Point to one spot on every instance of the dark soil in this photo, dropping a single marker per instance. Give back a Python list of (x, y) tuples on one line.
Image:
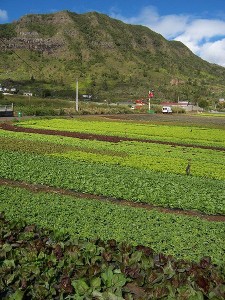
[(37, 188)]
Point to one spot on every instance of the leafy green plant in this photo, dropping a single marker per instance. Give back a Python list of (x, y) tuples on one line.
[(182, 236), (114, 170), (34, 264), (152, 156), (133, 184)]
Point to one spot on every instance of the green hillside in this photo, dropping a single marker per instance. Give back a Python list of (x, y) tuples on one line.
[(111, 59)]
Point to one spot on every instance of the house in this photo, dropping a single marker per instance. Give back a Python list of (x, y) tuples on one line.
[(87, 96), (186, 105), (13, 90), (138, 104), (28, 94), (8, 91)]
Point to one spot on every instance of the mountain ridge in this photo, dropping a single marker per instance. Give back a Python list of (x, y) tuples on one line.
[(111, 59)]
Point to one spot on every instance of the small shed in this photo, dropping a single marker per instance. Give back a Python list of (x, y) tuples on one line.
[(6, 110)]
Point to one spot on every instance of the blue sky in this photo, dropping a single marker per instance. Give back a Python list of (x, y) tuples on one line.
[(199, 24)]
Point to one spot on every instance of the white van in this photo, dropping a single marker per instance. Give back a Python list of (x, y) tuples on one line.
[(166, 110)]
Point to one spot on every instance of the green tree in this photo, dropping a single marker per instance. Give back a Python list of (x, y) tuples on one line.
[(203, 103), (32, 79), (104, 85), (46, 93)]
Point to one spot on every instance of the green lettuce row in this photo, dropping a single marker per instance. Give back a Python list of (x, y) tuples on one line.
[(185, 134), (163, 158), (168, 190), (184, 237)]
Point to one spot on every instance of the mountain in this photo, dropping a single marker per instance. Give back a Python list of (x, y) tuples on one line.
[(111, 59)]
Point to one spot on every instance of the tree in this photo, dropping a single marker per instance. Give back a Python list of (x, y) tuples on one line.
[(104, 85), (203, 103), (32, 79), (46, 93)]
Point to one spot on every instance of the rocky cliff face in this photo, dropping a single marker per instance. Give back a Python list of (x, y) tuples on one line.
[(43, 45), (38, 33)]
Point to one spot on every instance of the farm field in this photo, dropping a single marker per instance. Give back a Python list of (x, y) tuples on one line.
[(194, 135), (216, 120), (133, 170), (166, 233)]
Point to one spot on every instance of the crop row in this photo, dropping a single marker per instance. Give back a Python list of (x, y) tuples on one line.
[(181, 236), (163, 158), (184, 134), (36, 265), (134, 184)]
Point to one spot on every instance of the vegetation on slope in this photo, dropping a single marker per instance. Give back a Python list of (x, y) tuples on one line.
[(112, 60)]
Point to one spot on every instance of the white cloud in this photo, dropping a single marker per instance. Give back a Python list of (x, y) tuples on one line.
[(205, 37), (201, 32), (3, 15), (169, 26), (214, 52)]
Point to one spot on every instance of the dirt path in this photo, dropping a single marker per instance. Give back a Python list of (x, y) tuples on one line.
[(37, 188), (92, 136), (216, 121)]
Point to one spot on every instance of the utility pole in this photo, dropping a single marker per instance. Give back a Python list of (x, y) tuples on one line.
[(150, 95), (29, 96), (77, 95)]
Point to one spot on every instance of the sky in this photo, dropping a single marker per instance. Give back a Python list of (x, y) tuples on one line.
[(199, 24)]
